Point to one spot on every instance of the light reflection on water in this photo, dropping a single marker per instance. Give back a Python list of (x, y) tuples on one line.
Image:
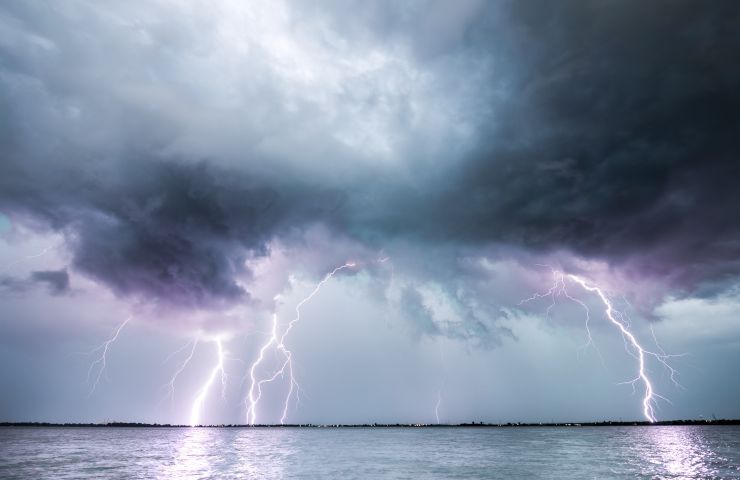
[(606, 452), (681, 452)]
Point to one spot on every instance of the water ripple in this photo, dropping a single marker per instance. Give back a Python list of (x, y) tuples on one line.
[(665, 452)]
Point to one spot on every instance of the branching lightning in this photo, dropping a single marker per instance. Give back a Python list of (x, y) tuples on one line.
[(619, 320), (649, 397), (171, 384), (203, 392), (97, 368), (286, 368), (102, 359), (252, 398)]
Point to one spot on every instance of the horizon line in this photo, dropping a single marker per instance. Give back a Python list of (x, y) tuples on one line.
[(604, 423)]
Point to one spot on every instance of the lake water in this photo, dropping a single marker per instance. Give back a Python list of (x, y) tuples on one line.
[(684, 452)]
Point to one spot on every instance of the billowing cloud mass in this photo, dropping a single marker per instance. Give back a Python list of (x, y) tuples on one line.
[(175, 145), (55, 281)]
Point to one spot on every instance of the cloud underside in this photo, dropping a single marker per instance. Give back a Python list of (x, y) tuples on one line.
[(170, 146)]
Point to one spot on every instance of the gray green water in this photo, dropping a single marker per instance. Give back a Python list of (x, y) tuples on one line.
[(685, 452)]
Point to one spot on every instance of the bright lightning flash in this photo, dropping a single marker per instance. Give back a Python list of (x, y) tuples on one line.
[(102, 359), (201, 398), (618, 320), (255, 388)]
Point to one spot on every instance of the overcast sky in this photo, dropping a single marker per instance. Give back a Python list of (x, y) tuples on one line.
[(197, 167)]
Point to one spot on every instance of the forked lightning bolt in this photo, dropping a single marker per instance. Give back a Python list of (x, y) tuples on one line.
[(203, 392), (102, 359), (618, 320), (171, 385), (252, 397), (648, 398), (255, 388)]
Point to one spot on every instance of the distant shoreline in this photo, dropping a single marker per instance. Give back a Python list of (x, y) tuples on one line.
[(719, 422)]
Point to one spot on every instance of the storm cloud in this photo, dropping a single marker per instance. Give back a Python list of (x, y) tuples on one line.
[(57, 281), (171, 144)]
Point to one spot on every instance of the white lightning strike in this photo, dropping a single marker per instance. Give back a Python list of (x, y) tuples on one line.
[(200, 399), (437, 405), (253, 399), (255, 388), (102, 359), (559, 289), (617, 319), (441, 383), (32, 256), (171, 384)]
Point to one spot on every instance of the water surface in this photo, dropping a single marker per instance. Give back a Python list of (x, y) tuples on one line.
[(675, 452)]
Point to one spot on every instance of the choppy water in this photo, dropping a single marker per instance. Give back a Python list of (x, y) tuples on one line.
[(562, 453)]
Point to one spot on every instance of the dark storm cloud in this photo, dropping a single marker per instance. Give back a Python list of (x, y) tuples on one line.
[(607, 129), (617, 140), (57, 281), (172, 231)]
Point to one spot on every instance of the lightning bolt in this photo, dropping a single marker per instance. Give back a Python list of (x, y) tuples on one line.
[(559, 289), (171, 384), (649, 397), (102, 359), (32, 256), (200, 399), (252, 398), (437, 405), (255, 388), (441, 383), (621, 322)]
